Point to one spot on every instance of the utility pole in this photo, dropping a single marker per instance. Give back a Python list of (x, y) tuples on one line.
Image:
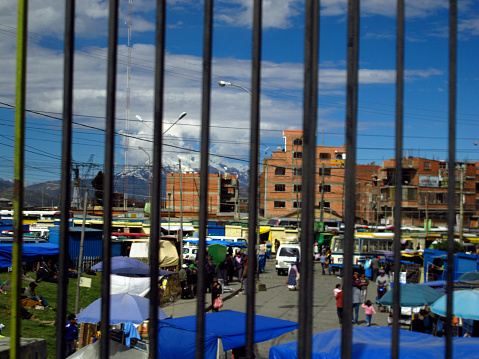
[(80, 256), (427, 214), (461, 205), (169, 208), (180, 232)]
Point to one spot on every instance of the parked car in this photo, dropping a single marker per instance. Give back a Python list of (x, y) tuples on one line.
[(287, 253), (189, 254)]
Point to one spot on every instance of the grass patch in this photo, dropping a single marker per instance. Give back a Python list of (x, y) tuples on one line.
[(30, 329)]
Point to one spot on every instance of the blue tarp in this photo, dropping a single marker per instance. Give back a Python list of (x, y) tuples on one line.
[(178, 335), (31, 252), (375, 342)]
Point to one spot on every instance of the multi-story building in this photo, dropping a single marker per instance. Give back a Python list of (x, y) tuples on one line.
[(183, 194), (425, 190), (281, 181)]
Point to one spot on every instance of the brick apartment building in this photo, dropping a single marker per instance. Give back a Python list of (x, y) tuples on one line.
[(222, 194), (425, 191), (282, 177), (425, 187)]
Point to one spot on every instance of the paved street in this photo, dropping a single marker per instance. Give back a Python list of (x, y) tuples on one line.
[(280, 303)]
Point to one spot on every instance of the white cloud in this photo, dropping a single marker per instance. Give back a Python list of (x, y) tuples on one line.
[(276, 13), (469, 26)]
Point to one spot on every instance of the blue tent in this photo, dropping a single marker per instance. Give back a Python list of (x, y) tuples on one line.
[(124, 308), (178, 335), (31, 252), (375, 342)]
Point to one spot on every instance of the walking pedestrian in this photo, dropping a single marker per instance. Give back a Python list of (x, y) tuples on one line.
[(364, 287), (375, 264), (369, 310), (323, 259), (367, 268), (215, 293), (356, 297), (293, 277), (339, 302)]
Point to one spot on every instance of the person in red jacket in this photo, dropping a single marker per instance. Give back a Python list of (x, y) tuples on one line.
[(338, 294)]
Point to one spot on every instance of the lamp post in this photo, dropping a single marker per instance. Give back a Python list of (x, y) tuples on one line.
[(139, 118), (229, 83), (149, 173)]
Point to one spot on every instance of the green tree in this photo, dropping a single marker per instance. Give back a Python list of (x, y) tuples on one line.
[(442, 246)]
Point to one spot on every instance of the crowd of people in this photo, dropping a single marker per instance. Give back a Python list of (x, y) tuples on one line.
[(216, 275)]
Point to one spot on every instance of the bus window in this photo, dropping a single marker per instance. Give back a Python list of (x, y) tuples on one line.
[(365, 248), (356, 245), (338, 244)]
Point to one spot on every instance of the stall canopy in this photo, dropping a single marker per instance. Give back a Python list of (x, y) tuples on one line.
[(218, 241), (179, 334), (375, 342), (31, 252)]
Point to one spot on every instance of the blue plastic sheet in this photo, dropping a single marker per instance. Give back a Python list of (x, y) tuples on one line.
[(375, 342)]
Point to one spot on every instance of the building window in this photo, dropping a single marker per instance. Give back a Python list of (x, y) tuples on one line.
[(279, 187), (427, 165), (326, 188), (326, 204), (297, 204), (325, 156), (297, 188), (280, 171), (327, 171), (297, 154), (297, 171), (279, 204), (443, 165), (298, 142)]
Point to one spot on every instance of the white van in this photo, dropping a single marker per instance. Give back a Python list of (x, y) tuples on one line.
[(287, 253)]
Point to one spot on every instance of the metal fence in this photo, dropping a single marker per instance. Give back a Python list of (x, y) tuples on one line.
[(311, 51)]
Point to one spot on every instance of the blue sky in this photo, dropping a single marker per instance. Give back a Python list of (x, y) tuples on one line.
[(426, 86)]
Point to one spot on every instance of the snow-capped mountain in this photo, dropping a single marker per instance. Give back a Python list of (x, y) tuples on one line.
[(136, 178)]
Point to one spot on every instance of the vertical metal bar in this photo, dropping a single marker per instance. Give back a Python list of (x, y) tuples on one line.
[(18, 175), (155, 219), (452, 172), (253, 222), (398, 178), (205, 141), (66, 175), (310, 111), (350, 172), (108, 177)]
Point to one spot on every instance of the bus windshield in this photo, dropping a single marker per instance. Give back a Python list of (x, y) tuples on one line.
[(338, 245)]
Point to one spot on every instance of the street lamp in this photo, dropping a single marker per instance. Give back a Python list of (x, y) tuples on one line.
[(183, 114), (139, 118), (229, 83), (149, 173)]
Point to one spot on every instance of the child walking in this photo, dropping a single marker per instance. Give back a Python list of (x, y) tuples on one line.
[(369, 309)]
